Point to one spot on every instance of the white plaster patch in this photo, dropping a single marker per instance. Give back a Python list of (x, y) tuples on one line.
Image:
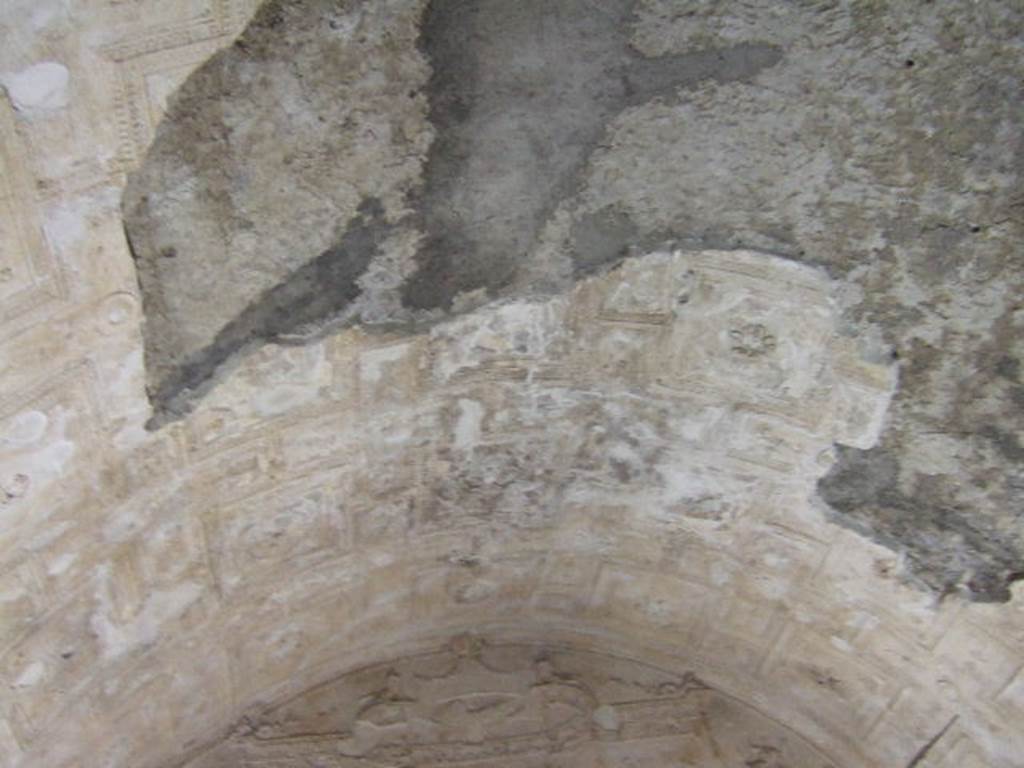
[(35, 16), (381, 559), (686, 483), (720, 575), (26, 429), (159, 608), (45, 15), (62, 563), (607, 718), (65, 226), (520, 329), (841, 645), (284, 642), (31, 676), (700, 427), (373, 362), (861, 414), (34, 450), (39, 90), (282, 399), (128, 399), (467, 428)]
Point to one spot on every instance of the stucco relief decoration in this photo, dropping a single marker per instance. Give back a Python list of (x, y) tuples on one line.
[(393, 383)]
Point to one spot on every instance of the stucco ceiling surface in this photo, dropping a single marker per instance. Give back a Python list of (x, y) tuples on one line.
[(574, 526)]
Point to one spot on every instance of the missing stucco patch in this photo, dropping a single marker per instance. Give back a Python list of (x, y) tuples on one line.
[(310, 295), (514, 145), (261, 173), (946, 547)]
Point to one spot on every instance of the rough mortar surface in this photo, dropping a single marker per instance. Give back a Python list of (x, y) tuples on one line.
[(269, 147), (394, 164)]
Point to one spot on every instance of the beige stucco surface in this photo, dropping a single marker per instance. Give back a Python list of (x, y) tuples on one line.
[(626, 469)]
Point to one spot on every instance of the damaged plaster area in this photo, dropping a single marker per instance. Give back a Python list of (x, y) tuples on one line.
[(265, 166), (396, 163)]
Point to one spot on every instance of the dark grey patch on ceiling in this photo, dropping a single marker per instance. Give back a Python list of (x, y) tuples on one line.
[(318, 290), (520, 96), (946, 547)]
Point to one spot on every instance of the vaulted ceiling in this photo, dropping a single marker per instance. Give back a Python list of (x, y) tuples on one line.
[(509, 385)]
